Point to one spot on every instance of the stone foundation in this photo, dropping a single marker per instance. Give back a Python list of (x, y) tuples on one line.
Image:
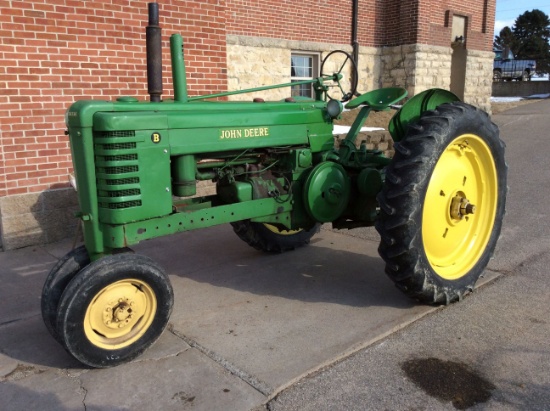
[(420, 67), (416, 67), (255, 62), (38, 218), (479, 79)]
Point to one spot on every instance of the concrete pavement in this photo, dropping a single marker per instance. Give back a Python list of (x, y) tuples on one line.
[(490, 352), (244, 326), (249, 328)]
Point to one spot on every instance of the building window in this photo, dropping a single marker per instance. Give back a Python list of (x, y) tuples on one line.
[(303, 67)]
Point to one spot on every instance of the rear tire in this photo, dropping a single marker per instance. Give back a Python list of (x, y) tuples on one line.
[(443, 203), (272, 238)]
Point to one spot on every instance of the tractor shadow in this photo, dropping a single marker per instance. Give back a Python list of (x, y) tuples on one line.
[(334, 268), (213, 272)]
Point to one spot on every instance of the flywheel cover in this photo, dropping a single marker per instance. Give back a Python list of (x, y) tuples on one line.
[(326, 192)]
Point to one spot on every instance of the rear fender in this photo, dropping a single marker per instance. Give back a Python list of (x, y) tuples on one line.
[(413, 109)]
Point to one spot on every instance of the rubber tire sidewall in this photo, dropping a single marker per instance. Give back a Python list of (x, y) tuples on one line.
[(88, 283), (56, 282), (414, 273)]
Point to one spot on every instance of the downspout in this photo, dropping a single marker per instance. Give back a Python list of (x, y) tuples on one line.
[(354, 42), (354, 23)]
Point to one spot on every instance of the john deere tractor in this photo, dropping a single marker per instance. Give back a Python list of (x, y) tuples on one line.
[(437, 204)]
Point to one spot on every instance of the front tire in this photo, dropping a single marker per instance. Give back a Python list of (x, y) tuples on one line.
[(443, 203), (272, 238), (114, 309), (56, 282)]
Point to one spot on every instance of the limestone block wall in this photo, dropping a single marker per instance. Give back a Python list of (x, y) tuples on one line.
[(256, 61), (38, 218), (433, 67), (416, 67), (369, 69), (479, 79), (419, 67)]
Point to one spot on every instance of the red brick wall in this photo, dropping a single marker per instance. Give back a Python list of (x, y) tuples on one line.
[(429, 22), (480, 18), (328, 21), (401, 22), (307, 20), (54, 52), (381, 22)]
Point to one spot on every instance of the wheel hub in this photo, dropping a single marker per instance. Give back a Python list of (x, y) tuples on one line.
[(461, 207), (118, 313)]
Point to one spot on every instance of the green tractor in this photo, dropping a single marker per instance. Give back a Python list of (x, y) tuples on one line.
[(437, 204)]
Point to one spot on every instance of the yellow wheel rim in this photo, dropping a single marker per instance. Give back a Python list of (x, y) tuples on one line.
[(460, 207), (120, 314), (280, 231)]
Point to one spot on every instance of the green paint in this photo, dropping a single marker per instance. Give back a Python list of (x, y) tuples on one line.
[(137, 163)]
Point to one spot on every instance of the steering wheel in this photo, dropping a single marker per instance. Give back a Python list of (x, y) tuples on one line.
[(333, 62)]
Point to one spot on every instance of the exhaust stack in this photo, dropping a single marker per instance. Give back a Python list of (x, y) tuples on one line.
[(153, 40)]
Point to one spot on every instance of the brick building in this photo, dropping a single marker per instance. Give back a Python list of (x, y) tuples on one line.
[(57, 51)]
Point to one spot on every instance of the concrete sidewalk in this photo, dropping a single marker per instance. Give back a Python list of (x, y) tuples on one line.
[(245, 324)]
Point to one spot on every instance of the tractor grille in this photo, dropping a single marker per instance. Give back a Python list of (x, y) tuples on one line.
[(124, 157), (122, 205), (119, 146), (114, 134), (120, 181), (120, 193), (117, 169)]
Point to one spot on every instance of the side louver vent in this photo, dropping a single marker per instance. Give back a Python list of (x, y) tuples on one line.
[(117, 169)]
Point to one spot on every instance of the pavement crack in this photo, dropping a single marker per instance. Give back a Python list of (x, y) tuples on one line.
[(51, 255), (20, 372), (85, 393), (18, 319), (160, 358), (254, 382)]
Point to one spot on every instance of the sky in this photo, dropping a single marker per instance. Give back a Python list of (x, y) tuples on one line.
[(509, 10)]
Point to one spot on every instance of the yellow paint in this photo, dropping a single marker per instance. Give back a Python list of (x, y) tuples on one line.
[(454, 245), (120, 314), (232, 133)]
